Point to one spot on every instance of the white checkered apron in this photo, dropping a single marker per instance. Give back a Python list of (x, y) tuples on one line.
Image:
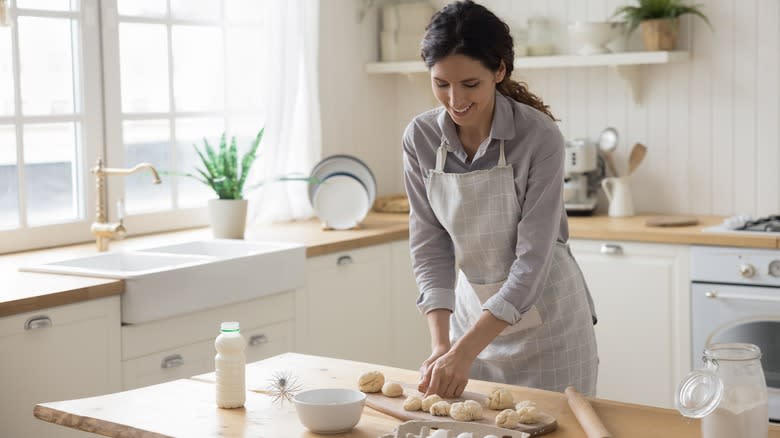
[(554, 344)]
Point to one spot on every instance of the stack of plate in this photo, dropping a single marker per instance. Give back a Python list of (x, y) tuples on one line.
[(345, 192)]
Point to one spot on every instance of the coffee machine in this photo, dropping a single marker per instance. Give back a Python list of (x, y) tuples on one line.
[(581, 169)]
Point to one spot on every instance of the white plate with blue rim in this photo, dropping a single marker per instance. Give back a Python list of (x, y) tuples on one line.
[(344, 163), (341, 201)]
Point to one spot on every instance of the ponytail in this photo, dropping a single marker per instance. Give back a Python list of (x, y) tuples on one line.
[(519, 92)]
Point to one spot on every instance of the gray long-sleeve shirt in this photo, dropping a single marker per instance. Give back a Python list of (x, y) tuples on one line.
[(535, 149)]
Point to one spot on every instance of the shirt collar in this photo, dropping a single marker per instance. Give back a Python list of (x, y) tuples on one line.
[(503, 127)]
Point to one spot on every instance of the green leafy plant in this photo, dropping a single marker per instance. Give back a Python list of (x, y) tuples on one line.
[(222, 170), (654, 9), (225, 174)]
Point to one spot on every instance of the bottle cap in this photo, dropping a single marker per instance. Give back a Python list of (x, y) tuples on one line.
[(231, 326)]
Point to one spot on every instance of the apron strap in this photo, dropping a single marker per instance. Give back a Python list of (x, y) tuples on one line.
[(501, 156), (441, 157)]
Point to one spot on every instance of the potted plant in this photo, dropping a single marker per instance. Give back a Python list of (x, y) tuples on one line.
[(226, 175), (659, 20)]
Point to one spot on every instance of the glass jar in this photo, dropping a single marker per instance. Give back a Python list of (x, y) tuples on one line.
[(539, 37), (729, 394)]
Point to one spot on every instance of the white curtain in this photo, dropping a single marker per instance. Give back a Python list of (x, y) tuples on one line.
[(292, 140)]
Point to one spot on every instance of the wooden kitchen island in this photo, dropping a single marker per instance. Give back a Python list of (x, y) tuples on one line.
[(185, 408)]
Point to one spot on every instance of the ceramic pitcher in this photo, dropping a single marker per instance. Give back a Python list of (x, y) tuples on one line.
[(618, 192)]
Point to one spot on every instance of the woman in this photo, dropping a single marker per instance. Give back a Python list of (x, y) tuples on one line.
[(484, 176)]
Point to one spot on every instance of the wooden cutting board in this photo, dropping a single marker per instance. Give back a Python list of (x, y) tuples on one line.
[(671, 221), (393, 406)]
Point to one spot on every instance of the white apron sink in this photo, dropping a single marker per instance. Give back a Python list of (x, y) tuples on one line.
[(165, 281)]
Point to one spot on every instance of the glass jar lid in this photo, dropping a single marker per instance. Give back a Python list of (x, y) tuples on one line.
[(699, 393)]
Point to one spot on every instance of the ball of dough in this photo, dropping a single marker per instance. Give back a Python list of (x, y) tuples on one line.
[(440, 408), (466, 411), (465, 435), (500, 399), (412, 403), (429, 401), (371, 381), (528, 415), (490, 436), (523, 403), (507, 418), (392, 389)]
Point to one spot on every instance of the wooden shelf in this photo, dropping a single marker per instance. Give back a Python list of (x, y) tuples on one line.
[(626, 64)]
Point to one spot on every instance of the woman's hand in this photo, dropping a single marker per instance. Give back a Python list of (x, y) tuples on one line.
[(449, 374), (426, 367)]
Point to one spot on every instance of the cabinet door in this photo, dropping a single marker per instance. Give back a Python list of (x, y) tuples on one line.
[(59, 353), (411, 339), (641, 296), (345, 310)]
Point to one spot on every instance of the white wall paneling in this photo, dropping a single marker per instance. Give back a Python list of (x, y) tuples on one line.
[(710, 123)]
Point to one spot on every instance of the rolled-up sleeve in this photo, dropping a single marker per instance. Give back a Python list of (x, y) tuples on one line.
[(537, 231), (433, 257)]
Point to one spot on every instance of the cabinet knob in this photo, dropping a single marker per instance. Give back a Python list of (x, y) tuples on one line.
[(344, 260), (172, 361), (37, 322), (258, 340), (611, 249)]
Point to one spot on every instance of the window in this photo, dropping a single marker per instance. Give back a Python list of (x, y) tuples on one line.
[(127, 80)]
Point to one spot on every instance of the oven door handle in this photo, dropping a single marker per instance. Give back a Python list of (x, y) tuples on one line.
[(718, 295)]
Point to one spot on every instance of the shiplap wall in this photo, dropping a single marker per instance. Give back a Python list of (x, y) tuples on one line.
[(711, 125)]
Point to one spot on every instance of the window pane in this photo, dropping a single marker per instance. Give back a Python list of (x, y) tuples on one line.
[(244, 10), (9, 189), (141, 8), (188, 132), (197, 68), (49, 5), (46, 65), (147, 141), (143, 59), (196, 9), (246, 74), (6, 73), (50, 172)]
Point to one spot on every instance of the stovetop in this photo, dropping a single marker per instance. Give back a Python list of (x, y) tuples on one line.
[(770, 224)]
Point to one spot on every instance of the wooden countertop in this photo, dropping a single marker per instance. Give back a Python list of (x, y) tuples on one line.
[(23, 292), (186, 407)]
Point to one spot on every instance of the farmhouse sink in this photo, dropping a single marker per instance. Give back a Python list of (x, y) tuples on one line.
[(171, 280)]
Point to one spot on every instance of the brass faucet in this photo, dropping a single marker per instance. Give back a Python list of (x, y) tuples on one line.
[(103, 230)]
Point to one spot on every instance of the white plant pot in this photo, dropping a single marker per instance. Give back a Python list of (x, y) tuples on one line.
[(227, 218)]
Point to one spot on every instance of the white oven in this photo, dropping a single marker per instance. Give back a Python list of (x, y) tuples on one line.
[(735, 295)]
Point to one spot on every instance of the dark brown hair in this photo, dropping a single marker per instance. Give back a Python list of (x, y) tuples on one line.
[(470, 29)]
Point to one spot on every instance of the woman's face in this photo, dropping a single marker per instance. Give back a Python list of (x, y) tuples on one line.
[(466, 89)]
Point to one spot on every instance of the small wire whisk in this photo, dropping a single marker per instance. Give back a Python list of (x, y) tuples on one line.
[(283, 385)]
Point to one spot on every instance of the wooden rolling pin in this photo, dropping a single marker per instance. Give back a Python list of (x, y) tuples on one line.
[(585, 414)]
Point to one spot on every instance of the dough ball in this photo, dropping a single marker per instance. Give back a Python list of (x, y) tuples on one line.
[(465, 435), (441, 433), (440, 409), (528, 415), (413, 403), (429, 401), (490, 436), (466, 411), (523, 403), (507, 418), (392, 389), (371, 381), (500, 399)]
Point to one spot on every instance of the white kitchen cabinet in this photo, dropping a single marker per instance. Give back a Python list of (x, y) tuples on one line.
[(411, 338), (183, 346), (345, 309), (641, 293), (58, 353)]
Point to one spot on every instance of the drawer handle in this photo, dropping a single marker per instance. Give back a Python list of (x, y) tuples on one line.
[(344, 260), (611, 249), (258, 340), (172, 361), (37, 322)]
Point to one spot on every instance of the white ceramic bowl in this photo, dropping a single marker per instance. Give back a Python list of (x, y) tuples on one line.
[(329, 410), (590, 38)]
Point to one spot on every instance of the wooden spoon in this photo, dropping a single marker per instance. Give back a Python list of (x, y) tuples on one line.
[(636, 156)]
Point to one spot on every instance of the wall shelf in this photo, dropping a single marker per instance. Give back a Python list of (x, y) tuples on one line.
[(627, 64)]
